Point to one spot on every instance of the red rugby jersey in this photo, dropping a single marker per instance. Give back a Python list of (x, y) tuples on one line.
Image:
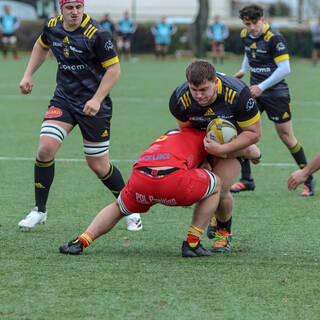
[(180, 149)]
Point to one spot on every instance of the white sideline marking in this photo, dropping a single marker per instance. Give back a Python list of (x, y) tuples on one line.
[(128, 160), (115, 98), (19, 96)]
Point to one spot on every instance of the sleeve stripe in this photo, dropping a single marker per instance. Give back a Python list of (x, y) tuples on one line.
[(43, 44), (110, 62), (184, 104), (219, 90), (281, 58), (249, 122), (85, 21)]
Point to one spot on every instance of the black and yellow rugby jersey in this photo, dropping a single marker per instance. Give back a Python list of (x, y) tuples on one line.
[(234, 102), (263, 54), (83, 56)]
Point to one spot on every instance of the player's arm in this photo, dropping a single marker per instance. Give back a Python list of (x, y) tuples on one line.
[(281, 59), (38, 56), (244, 67), (106, 53), (300, 176), (248, 118), (178, 111), (107, 82)]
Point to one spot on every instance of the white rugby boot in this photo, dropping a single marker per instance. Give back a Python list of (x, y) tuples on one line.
[(33, 218), (134, 222)]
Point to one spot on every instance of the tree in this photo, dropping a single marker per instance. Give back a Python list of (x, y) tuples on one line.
[(197, 32)]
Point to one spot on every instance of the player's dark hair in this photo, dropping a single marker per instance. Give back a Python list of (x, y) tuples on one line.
[(199, 71), (251, 12)]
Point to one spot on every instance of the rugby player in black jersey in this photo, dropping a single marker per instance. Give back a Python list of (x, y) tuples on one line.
[(88, 68), (207, 95), (267, 58)]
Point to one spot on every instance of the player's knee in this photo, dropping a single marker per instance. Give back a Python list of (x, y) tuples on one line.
[(100, 168), (46, 152)]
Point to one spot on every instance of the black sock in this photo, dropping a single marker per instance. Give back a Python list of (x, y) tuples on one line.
[(300, 158), (246, 170), (225, 225), (43, 177), (113, 180)]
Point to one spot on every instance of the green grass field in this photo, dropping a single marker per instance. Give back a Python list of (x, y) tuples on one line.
[(272, 271)]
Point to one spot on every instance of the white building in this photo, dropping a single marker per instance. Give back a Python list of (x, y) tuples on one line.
[(152, 10)]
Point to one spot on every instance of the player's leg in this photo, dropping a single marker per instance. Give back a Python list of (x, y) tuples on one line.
[(109, 175), (214, 51), (286, 134), (165, 48), (96, 134), (105, 220), (52, 135), (246, 182), (127, 48), (109, 216), (157, 50), (221, 51), (201, 217), (220, 226), (314, 55), (5, 41), (120, 45), (13, 46)]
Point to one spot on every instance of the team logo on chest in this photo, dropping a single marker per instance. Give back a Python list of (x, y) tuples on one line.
[(66, 44)]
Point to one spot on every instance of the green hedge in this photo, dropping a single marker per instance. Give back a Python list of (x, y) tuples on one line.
[(299, 41)]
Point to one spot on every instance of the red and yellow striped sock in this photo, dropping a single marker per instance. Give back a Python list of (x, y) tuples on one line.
[(86, 238), (193, 236)]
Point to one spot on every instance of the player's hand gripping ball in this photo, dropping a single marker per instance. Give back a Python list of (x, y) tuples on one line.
[(221, 130)]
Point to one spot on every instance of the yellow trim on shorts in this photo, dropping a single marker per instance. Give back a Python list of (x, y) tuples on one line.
[(110, 62), (249, 122)]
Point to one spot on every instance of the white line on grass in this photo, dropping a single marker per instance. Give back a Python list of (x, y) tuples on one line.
[(134, 99), (127, 160), (129, 99)]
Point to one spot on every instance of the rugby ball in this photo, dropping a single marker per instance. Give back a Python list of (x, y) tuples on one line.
[(221, 130)]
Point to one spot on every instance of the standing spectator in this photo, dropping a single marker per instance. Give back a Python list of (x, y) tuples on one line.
[(107, 23), (267, 58), (125, 28), (217, 32), (315, 30), (8, 26), (88, 68), (162, 32)]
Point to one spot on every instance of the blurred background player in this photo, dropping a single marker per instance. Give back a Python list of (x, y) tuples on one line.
[(217, 32), (166, 173), (8, 26), (107, 23), (162, 32), (93, 59), (125, 28), (207, 95), (266, 55), (315, 30)]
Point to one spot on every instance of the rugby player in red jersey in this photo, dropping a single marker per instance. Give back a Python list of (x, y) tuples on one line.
[(166, 173)]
